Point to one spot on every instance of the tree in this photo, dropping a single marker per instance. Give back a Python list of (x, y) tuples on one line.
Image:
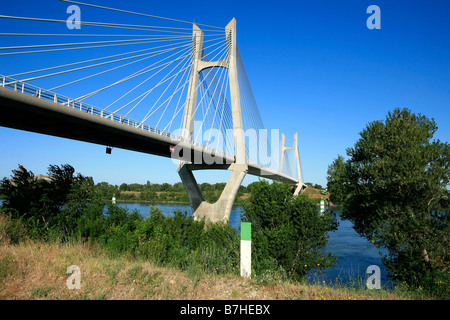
[(335, 182), (82, 200), (287, 229), (251, 185), (62, 180), (148, 195), (106, 190), (205, 186), (178, 186), (165, 186), (20, 192), (395, 181), (43, 204)]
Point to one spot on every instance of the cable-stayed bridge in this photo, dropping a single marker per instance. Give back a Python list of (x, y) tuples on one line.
[(170, 90)]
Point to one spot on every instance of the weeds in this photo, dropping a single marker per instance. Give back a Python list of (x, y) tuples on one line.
[(11, 230), (42, 292), (7, 267)]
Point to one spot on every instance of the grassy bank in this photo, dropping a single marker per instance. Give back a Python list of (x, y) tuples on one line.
[(46, 227), (37, 270)]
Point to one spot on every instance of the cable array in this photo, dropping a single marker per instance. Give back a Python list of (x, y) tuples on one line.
[(258, 146), (142, 75)]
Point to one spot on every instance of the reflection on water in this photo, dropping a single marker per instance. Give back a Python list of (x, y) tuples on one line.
[(354, 255)]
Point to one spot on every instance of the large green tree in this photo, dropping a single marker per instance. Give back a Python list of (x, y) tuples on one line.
[(394, 187), (335, 183)]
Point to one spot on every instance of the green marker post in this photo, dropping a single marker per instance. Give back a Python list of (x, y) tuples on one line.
[(246, 249), (322, 205)]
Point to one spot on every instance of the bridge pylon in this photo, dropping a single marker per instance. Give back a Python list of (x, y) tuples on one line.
[(300, 186), (220, 210)]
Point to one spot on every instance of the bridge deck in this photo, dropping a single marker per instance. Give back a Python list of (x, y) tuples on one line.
[(30, 113)]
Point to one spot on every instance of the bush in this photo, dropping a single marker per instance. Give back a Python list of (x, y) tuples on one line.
[(11, 231), (119, 228), (180, 241), (176, 240), (92, 223), (287, 229), (217, 250)]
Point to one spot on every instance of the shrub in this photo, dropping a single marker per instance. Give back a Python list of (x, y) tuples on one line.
[(182, 242), (11, 230), (287, 229)]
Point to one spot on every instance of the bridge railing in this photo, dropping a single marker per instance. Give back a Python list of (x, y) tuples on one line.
[(29, 89), (26, 88)]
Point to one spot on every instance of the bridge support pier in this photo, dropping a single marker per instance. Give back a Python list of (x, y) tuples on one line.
[(221, 209), (300, 186)]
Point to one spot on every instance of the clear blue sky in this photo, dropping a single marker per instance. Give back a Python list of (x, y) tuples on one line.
[(314, 66)]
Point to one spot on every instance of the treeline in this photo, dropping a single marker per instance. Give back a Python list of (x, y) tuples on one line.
[(155, 192)]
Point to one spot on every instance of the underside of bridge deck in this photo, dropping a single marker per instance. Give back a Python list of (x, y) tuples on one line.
[(25, 112)]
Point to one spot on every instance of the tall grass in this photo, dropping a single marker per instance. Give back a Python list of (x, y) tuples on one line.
[(11, 230)]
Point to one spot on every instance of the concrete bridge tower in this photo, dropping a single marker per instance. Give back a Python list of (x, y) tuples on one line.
[(221, 209)]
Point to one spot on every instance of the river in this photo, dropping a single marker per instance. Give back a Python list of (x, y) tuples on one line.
[(354, 253)]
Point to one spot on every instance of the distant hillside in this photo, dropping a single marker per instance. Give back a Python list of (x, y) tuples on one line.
[(316, 194), (211, 196)]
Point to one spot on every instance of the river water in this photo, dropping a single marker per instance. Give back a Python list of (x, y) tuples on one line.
[(354, 253)]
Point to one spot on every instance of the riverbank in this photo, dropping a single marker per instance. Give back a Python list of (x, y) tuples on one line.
[(38, 270), (179, 195), (149, 202)]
